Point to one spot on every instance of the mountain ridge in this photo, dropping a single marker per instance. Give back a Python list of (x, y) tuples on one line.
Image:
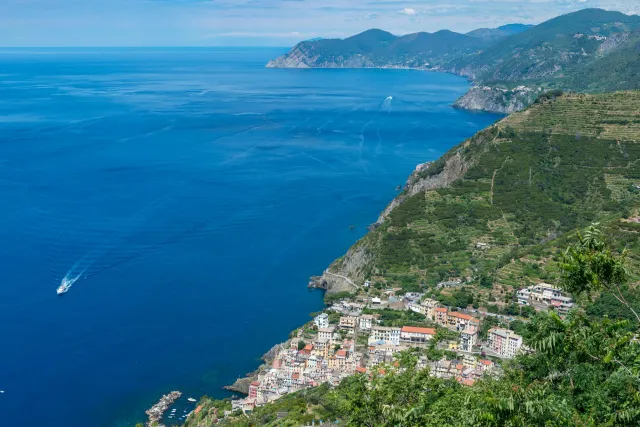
[(571, 52)]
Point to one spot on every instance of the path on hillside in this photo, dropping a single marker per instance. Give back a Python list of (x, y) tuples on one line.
[(343, 277)]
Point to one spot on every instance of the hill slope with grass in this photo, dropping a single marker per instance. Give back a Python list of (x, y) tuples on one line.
[(498, 212), (494, 210)]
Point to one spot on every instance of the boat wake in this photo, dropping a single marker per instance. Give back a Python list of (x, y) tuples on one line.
[(66, 283), (73, 275)]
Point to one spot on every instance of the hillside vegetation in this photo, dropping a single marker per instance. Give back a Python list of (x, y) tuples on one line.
[(520, 188), (507, 207), (554, 48), (578, 371), (591, 50)]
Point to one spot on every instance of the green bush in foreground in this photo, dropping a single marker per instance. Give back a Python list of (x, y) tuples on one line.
[(581, 372)]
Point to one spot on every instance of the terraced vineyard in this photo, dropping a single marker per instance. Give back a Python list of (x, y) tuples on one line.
[(528, 183), (613, 116)]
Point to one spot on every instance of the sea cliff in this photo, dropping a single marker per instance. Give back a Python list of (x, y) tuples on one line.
[(589, 51)]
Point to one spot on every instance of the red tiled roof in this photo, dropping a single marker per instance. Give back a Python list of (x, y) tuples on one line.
[(416, 330), (341, 353), (256, 383), (486, 362), (198, 409), (460, 315), (459, 366), (467, 382), (441, 310), (361, 369), (308, 347)]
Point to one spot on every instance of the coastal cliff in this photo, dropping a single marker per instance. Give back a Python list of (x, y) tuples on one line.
[(486, 201), (241, 385), (349, 272), (498, 100), (589, 51)]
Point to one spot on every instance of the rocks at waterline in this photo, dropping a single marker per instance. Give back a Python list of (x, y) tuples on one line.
[(156, 411)]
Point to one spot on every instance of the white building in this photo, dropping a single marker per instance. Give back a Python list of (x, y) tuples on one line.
[(326, 334), (365, 322), (321, 320), (468, 338), (385, 334), (416, 336), (545, 294)]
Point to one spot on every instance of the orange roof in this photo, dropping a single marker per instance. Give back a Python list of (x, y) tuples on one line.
[(341, 353), (255, 383), (460, 315), (467, 382), (460, 366), (295, 375), (308, 347), (361, 369), (382, 371), (198, 409), (416, 330), (441, 309), (486, 362)]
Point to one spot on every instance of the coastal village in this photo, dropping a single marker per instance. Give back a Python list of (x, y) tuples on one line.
[(353, 336)]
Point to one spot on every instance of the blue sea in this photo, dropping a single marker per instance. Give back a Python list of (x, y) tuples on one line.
[(188, 194)]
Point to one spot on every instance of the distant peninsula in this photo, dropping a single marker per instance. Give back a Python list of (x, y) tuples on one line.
[(589, 51)]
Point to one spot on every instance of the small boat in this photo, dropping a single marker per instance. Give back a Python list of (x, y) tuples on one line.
[(64, 287), (191, 399)]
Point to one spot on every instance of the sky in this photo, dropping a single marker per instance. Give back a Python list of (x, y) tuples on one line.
[(282, 23)]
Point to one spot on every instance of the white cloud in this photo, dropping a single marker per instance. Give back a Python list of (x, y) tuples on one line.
[(408, 11)]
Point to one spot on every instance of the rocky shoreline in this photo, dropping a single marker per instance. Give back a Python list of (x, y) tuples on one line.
[(479, 98), (241, 385)]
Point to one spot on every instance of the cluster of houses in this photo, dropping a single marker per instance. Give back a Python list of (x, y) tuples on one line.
[(325, 359), (544, 295), (331, 354)]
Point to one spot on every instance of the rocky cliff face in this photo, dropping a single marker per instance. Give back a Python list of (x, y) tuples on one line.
[(349, 272), (497, 100), (302, 58), (483, 98), (241, 385)]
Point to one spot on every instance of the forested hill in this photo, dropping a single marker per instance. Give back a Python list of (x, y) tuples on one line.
[(590, 50), (494, 210), (499, 211)]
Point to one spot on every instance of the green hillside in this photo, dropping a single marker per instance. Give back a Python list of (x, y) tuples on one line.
[(523, 186), (497, 33), (552, 49), (591, 50), (377, 48)]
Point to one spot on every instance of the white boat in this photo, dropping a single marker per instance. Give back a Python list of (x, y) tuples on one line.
[(64, 287), (191, 399)]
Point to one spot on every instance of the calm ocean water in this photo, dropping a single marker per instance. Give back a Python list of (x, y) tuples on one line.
[(192, 192)]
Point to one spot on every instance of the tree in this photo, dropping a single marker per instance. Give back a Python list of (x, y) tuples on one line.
[(590, 267), (301, 345)]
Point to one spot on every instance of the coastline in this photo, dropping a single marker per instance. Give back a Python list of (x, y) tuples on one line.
[(241, 384), (497, 99)]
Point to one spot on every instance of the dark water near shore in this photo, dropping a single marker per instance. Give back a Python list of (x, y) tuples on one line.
[(193, 192)]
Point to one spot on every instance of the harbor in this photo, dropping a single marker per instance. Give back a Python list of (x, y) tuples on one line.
[(156, 412)]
